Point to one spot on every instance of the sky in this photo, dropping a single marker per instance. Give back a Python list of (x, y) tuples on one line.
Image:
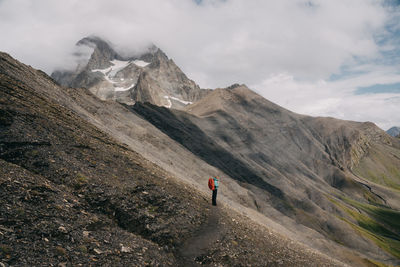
[(338, 58)]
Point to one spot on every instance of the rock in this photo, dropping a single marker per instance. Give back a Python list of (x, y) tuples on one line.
[(62, 229), (98, 251), (6, 229), (126, 249)]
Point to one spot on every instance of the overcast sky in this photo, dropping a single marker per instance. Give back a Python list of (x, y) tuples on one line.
[(337, 58)]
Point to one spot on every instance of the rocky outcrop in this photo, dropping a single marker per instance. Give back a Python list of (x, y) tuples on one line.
[(102, 54), (348, 142)]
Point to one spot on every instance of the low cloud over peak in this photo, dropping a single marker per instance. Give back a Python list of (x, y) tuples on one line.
[(218, 43)]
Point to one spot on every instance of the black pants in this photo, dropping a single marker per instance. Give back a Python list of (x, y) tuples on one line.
[(214, 197)]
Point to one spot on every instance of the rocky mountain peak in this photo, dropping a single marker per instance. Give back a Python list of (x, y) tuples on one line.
[(102, 54), (94, 41), (147, 77)]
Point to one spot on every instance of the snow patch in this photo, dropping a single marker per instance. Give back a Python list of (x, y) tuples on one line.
[(122, 89), (118, 65), (176, 99), (111, 71), (104, 71), (169, 102), (180, 100), (141, 63)]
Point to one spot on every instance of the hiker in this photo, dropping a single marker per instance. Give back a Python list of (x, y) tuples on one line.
[(213, 184)]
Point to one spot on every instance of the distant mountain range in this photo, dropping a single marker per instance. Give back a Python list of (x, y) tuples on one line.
[(394, 131), (131, 141)]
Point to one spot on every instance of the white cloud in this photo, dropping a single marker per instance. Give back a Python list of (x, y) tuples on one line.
[(335, 98), (217, 43), (229, 40)]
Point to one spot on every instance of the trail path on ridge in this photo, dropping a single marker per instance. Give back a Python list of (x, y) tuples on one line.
[(197, 245)]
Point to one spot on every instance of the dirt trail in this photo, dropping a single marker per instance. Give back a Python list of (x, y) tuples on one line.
[(198, 244)]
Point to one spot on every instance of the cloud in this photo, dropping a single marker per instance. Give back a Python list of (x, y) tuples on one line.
[(237, 40), (216, 42), (335, 98)]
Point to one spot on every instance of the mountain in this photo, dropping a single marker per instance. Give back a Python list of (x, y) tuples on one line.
[(329, 184), (73, 195), (294, 160), (147, 77), (300, 170), (394, 131)]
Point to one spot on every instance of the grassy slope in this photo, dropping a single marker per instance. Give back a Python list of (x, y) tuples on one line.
[(370, 217), (381, 167), (377, 223)]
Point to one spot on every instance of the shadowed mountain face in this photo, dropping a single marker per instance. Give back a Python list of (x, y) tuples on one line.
[(146, 77), (332, 184), (196, 141)]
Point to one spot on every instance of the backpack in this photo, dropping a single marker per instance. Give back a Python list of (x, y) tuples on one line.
[(211, 184)]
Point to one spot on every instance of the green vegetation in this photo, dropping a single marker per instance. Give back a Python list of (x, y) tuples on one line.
[(381, 167), (82, 249), (32, 153), (60, 251), (80, 180), (5, 249), (152, 209), (389, 245), (374, 263), (389, 182), (372, 198), (388, 217), (379, 224), (20, 211)]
